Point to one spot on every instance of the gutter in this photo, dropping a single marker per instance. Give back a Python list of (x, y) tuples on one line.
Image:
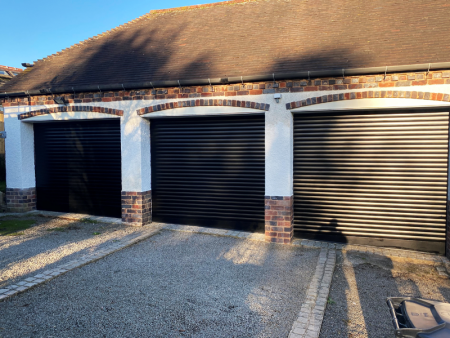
[(237, 79)]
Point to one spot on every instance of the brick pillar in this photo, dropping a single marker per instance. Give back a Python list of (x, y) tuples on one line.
[(20, 200), (137, 207), (279, 217)]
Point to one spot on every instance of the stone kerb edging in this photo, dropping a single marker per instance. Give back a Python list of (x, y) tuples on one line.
[(204, 103), (309, 321), (369, 94), (66, 109)]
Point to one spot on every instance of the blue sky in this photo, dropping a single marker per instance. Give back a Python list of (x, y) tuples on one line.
[(32, 30)]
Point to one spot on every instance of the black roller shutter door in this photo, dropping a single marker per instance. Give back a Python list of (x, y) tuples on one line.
[(372, 178), (78, 167), (209, 171)]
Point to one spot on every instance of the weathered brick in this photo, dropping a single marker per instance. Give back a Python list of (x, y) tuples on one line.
[(281, 213)]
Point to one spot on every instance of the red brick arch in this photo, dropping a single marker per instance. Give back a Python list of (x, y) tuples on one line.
[(204, 103), (369, 95), (65, 109)]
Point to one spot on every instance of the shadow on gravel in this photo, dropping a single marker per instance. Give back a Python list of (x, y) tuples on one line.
[(46, 246), (362, 282), (172, 285)]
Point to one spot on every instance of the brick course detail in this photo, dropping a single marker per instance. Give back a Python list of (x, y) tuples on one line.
[(137, 207), (20, 200), (254, 88), (201, 103), (64, 109), (279, 216), (370, 94)]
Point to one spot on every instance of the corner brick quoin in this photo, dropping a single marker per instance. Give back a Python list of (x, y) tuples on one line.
[(203, 103), (65, 109), (369, 82), (369, 95)]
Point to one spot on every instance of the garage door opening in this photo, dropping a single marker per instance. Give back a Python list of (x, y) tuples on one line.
[(78, 167), (209, 171), (372, 178)]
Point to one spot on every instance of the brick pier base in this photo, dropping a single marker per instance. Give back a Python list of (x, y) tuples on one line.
[(20, 200), (137, 207), (279, 216)]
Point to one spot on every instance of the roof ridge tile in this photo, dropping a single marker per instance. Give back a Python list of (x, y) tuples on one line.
[(194, 7)]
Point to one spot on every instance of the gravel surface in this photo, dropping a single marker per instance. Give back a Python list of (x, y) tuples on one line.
[(52, 242), (174, 284), (362, 282)]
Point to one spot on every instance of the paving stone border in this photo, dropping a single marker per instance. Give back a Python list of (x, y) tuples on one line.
[(309, 321), (30, 282)]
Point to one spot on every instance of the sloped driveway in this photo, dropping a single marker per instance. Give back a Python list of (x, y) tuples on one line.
[(174, 284)]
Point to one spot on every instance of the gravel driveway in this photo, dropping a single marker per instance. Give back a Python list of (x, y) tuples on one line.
[(174, 284), (52, 242), (362, 282)]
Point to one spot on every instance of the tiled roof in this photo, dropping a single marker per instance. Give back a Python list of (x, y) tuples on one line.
[(241, 38), (4, 78)]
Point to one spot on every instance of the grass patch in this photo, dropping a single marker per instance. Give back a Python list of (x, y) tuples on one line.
[(57, 229), (3, 186), (88, 220), (12, 227), (96, 233)]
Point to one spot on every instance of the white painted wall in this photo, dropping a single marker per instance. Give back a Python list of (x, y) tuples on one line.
[(198, 111), (19, 150), (385, 103), (70, 116), (135, 134), (279, 151)]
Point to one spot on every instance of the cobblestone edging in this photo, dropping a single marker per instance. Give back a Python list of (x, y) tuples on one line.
[(30, 282), (310, 318)]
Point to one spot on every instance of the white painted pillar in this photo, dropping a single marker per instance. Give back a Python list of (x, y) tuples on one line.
[(135, 136), (19, 151), (278, 202), (279, 151)]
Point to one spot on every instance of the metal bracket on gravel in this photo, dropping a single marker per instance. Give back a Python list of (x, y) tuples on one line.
[(310, 318)]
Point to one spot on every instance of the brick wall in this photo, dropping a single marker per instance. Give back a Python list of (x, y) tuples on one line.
[(20, 200), (137, 207), (388, 82), (279, 217)]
